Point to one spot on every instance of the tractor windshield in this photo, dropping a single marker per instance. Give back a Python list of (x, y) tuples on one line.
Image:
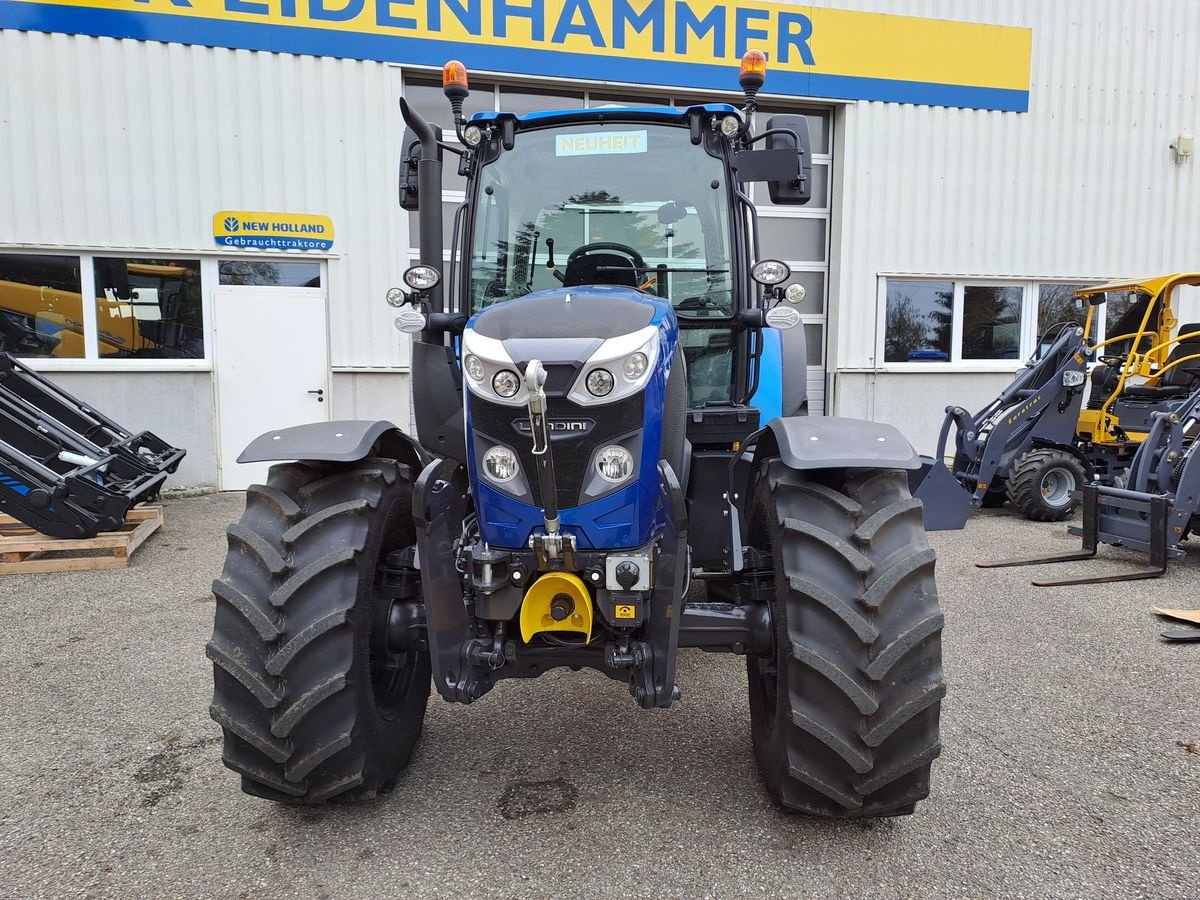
[(604, 203)]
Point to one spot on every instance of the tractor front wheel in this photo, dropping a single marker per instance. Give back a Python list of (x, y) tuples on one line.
[(1043, 484), (844, 714), (313, 702)]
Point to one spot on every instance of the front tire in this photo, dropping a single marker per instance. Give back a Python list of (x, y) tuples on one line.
[(1044, 483), (844, 714), (311, 703)]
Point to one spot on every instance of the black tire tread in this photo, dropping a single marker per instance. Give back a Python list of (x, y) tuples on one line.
[(858, 694), (284, 640), (1023, 486)]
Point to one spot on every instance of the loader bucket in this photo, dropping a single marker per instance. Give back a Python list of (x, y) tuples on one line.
[(947, 504)]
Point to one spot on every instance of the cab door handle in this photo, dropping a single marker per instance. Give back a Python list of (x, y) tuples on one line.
[(320, 392)]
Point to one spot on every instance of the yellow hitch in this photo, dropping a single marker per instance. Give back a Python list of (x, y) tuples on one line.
[(558, 601)]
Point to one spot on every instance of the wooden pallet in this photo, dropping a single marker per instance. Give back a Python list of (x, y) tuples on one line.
[(25, 551)]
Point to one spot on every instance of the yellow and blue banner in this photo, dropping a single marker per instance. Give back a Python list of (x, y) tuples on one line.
[(272, 230), (812, 51)]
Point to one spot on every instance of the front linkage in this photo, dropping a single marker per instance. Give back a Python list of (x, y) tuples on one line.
[(637, 594)]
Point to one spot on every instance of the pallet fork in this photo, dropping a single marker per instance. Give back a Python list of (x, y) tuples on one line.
[(1155, 513), (66, 469), (1153, 510)]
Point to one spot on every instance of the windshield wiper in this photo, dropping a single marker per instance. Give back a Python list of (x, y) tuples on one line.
[(663, 269)]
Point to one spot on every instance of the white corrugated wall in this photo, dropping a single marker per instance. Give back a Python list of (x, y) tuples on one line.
[(1084, 184), (126, 144), (130, 144)]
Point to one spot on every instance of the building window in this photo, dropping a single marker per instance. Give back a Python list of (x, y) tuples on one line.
[(919, 316), (267, 273), (41, 306), (1057, 304), (991, 317), (149, 308), (942, 321)]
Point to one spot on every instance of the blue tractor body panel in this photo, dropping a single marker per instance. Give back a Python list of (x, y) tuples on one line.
[(768, 396), (626, 517)]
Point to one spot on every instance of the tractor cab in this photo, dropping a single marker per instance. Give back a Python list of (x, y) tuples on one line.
[(618, 248)]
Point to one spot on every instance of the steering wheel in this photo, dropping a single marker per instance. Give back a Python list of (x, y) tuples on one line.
[(597, 246)]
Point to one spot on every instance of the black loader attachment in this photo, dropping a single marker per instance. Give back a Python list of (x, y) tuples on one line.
[(1154, 512), (1038, 410), (66, 469)]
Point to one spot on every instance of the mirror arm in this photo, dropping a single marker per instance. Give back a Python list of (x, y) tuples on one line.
[(452, 323), (747, 319), (770, 131)]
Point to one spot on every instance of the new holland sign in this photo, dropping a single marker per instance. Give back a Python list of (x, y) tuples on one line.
[(272, 230), (814, 51)]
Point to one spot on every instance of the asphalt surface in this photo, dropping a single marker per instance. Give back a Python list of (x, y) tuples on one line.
[(1071, 765)]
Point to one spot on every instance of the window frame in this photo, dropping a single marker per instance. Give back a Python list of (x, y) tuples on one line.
[(209, 281), (1030, 296)]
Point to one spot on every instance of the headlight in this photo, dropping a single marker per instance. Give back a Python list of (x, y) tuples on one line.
[(1073, 379), (614, 464), (730, 125), (396, 297), (472, 135), (506, 383), (599, 382), (619, 368), (422, 278), (500, 465), (635, 365), (474, 367), (770, 272)]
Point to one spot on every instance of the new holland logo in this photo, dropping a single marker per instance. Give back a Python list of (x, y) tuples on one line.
[(558, 427)]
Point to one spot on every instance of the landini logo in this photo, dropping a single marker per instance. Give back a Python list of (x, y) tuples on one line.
[(558, 427)]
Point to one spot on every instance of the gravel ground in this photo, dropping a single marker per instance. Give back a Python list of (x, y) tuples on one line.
[(1071, 762)]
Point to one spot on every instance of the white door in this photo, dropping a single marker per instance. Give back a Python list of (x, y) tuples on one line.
[(272, 370)]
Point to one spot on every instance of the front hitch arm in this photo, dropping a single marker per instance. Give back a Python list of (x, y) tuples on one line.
[(551, 544)]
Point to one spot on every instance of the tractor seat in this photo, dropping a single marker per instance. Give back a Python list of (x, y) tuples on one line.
[(1104, 382), (1177, 382), (598, 268)]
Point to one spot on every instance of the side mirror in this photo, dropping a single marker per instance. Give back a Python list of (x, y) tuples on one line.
[(794, 136), (410, 152)]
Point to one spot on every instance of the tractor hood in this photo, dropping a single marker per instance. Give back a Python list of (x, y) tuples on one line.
[(593, 313), (627, 337), (566, 328)]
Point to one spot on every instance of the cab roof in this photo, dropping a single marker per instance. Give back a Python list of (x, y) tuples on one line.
[(1153, 285), (666, 114)]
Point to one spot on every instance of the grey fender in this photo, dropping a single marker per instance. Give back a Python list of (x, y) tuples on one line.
[(345, 440), (827, 442)]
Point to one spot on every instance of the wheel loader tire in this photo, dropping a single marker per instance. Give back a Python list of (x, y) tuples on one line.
[(312, 704), (844, 715), (1043, 483)]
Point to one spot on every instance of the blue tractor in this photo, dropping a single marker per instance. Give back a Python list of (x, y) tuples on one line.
[(612, 463)]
